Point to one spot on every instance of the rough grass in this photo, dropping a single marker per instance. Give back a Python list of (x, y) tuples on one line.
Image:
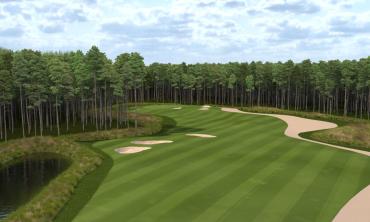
[(356, 135), (250, 172), (351, 132)]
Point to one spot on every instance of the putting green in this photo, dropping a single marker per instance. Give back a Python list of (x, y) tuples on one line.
[(249, 172)]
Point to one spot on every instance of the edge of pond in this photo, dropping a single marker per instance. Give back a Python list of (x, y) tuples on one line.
[(47, 204), (86, 187)]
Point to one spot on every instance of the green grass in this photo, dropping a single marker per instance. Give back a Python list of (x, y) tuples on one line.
[(250, 172), (90, 183), (86, 188)]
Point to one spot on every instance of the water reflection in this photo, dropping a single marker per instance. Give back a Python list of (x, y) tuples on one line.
[(25, 177)]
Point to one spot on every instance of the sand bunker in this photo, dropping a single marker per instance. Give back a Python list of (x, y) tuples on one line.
[(177, 108), (131, 149), (151, 142), (205, 108), (357, 208), (201, 135)]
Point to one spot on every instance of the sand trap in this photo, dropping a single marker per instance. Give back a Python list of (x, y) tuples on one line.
[(131, 149), (201, 135), (177, 108), (151, 142), (205, 108), (357, 209)]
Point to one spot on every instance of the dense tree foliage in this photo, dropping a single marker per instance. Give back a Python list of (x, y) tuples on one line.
[(48, 91)]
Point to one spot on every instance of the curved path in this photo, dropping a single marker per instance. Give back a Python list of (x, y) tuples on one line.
[(356, 210)]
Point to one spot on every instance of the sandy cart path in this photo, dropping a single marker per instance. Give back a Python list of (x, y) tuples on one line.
[(355, 210), (297, 125)]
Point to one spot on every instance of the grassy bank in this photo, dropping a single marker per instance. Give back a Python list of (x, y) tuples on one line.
[(351, 132), (47, 203), (68, 192), (86, 187)]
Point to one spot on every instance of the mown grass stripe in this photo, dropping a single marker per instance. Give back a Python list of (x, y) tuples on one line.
[(317, 193), (255, 192), (261, 196), (177, 183), (148, 188), (172, 154), (195, 185), (342, 191), (289, 195), (201, 199), (189, 191), (148, 172)]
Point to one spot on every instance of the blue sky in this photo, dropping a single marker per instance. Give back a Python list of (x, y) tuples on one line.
[(192, 30)]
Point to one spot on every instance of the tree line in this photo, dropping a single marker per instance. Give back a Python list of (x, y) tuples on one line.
[(332, 87), (46, 91)]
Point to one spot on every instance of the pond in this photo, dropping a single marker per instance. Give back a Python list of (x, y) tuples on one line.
[(21, 180)]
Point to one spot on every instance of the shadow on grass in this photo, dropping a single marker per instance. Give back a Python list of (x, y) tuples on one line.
[(169, 126)]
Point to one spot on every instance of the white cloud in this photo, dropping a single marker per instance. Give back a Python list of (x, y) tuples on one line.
[(191, 30)]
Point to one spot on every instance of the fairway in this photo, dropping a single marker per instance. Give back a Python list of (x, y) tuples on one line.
[(249, 172)]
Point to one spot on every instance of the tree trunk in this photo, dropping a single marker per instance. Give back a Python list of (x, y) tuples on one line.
[(12, 116), (345, 101), (356, 104), (28, 117), (82, 113), (135, 107), (22, 111), (34, 120), (5, 129), (95, 105), (105, 105), (41, 119), (117, 112), (67, 115), (276, 97), (368, 104), (1, 123), (74, 111), (288, 96), (57, 114)]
